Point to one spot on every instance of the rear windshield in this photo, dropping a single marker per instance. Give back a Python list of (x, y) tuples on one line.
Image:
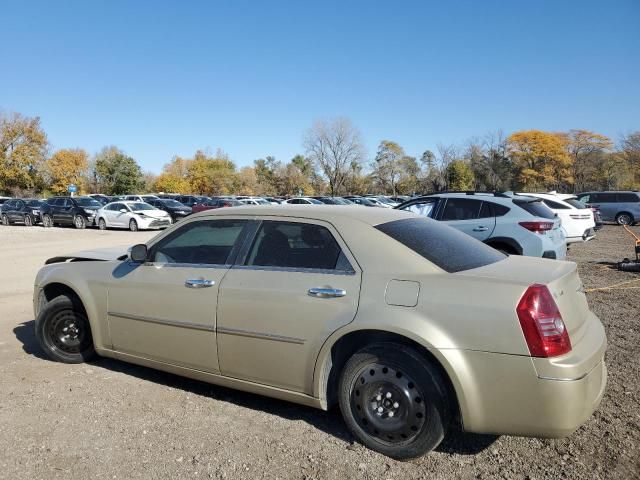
[(444, 246), (536, 208), (574, 202)]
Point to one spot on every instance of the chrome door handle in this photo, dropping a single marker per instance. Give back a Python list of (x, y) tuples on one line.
[(199, 283), (480, 229), (327, 292)]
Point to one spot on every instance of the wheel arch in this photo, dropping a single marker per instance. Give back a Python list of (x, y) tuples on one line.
[(510, 243), (339, 349)]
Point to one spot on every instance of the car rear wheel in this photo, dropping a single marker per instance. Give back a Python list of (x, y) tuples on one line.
[(133, 225), (624, 219), (5, 219), (63, 331), (394, 401), (79, 222), (102, 225), (28, 221), (47, 221)]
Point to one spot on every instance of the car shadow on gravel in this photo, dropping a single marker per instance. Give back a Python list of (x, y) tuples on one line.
[(456, 442)]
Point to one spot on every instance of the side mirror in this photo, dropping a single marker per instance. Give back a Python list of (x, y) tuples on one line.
[(123, 210), (138, 253)]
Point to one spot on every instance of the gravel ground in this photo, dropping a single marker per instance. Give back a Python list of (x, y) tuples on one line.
[(112, 420)]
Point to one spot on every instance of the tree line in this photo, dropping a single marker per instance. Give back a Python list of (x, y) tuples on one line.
[(334, 162)]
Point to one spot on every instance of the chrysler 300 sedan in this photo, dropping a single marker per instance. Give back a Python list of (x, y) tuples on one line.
[(410, 326)]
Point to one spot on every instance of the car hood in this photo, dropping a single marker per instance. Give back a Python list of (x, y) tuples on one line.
[(98, 254), (153, 213)]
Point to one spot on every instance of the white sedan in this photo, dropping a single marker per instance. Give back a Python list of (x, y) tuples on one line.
[(132, 215)]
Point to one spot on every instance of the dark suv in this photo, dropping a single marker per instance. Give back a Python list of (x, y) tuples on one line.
[(621, 207), (21, 210), (174, 208), (76, 211), (191, 200)]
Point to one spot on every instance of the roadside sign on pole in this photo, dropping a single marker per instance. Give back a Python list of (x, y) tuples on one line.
[(72, 189)]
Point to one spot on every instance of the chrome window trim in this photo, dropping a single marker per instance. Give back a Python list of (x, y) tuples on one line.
[(260, 335), (322, 271), (187, 265), (162, 321)]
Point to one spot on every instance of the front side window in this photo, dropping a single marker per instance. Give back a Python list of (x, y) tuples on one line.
[(207, 242), (296, 245), (461, 209)]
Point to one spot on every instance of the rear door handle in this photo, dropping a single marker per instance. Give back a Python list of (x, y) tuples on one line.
[(199, 283), (327, 292), (480, 229)]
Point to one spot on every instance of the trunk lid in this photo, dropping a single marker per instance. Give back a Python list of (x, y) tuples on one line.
[(561, 278)]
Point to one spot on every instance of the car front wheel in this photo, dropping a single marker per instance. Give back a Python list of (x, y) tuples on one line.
[(5, 219), (624, 219), (133, 225), (63, 331), (102, 225), (79, 222), (394, 401)]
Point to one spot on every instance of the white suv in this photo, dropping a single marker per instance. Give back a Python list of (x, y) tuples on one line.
[(577, 220), (513, 224)]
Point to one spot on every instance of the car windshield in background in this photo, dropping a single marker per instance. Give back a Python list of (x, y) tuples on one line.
[(140, 206), (444, 246), (574, 202), (35, 203), (87, 202), (173, 204), (261, 201), (536, 208)]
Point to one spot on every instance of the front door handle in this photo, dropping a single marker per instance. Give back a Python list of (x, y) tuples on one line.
[(199, 283), (327, 292), (480, 228)]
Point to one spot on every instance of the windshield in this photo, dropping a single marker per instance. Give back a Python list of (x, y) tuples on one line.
[(574, 202), (261, 201), (173, 204), (140, 206), (35, 203), (385, 200), (87, 202)]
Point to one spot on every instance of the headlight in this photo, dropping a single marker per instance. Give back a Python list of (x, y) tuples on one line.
[(89, 212), (35, 212)]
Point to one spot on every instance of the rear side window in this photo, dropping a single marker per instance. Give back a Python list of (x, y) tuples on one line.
[(603, 197), (444, 246), (536, 208), (627, 198), (555, 205), (296, 245)]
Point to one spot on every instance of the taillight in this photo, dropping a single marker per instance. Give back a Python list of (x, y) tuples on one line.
[(541, 322), (537, 227)]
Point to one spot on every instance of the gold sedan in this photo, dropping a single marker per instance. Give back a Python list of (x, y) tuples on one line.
[(409, 325)]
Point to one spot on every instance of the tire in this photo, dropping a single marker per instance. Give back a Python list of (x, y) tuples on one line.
[(79, 222), (47, 221), (133, 225), (624, 218), (394, 401), (102, 224), (63, 331), (28, 221), (5, 220)]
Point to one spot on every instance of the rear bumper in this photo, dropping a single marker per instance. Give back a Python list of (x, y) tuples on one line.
[(503, 395)]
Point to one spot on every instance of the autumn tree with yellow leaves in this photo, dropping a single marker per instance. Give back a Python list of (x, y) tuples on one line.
[(66, 167)]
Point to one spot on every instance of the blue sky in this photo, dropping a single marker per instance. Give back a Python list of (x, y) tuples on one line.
[(162, 78)]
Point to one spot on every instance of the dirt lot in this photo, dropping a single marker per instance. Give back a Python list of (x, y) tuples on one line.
[(112, 420)]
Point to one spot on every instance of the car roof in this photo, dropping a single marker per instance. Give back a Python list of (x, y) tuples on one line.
[(370, 216)]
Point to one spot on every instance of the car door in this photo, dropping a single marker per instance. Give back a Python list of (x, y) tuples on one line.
[(165, 309), (465, 215), (63, 211), (296, 284), (18, 211), (120, 218), (606, 203), (9, 209)]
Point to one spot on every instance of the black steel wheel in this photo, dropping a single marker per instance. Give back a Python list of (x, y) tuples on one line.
[(394, 401), (47, 221), (79, 222), (63, 331), (624, 219), (133, 225), (28, 221)]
